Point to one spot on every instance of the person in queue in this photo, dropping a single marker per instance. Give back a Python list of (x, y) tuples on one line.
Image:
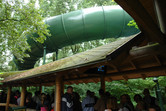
[(140, 106), (88, 102), (67, 100), (112, 104), (125, 103), (101, 102)]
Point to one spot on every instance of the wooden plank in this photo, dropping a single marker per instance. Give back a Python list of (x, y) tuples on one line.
[(10, 105)]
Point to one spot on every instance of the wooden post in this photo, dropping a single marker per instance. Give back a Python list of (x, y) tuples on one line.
[(62, 86), (8, 98), (102, 80), (58, 92), (40, 89), (22, 95)]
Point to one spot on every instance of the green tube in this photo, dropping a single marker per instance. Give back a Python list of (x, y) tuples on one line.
[(80, 26)]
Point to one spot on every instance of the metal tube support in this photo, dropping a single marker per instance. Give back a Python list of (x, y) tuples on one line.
[(159, 93), (57, 55), (44, 61), (44, 55), (160, 97)]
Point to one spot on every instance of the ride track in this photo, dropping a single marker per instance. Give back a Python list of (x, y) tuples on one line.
[(79, 26)]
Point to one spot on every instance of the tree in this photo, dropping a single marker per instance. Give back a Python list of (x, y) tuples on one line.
[(18, 19)]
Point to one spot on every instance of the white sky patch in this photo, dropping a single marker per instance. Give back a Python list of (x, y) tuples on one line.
[(37, 4)]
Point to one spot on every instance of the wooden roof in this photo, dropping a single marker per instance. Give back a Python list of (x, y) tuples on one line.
[(121, 61), (76, 61)]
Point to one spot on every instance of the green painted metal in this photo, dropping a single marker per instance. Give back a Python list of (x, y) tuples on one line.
[(44, 55), (159, 93), (80, 26)]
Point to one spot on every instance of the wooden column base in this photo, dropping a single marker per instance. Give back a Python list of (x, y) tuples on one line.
[(58, 92), (8, 98)]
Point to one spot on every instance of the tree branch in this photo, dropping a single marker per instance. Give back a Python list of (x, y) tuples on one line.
[(11, 20)]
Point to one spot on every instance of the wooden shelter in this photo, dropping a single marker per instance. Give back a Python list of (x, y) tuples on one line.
[(138, 56)]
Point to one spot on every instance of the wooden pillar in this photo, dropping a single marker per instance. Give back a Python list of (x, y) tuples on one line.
[(23, 95), (40, 88), (62, 87), (102, 80), (58, 91), (8, 98)]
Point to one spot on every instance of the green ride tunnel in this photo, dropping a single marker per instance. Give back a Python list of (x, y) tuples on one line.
[(80, 26)]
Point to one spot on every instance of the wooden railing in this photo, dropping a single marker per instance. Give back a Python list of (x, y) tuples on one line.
[(11, 105)]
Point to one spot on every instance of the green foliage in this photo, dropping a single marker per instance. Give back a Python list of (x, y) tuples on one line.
[(17, 20), (56, 7), (117, 88), (132, 23)]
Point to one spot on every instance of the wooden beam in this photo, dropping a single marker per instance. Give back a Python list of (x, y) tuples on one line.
[(133, 65), (120, 55), (158, 60), (110, 79), (8, 98), (140, 71), (142, 17), (23, 91), (125, 77), (10, 105), (113, 66), (143, 76), (82, 78)]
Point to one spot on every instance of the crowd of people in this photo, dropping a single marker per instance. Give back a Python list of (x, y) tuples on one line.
[(107, 102), (71, 101)]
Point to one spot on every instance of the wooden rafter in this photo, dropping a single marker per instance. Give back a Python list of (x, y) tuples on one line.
[(125, 77), (143, 76), (141, 71), (158, 60), (133, 65)]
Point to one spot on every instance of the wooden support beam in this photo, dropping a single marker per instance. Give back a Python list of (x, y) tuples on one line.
[(110, 79), (125, 77), (143, 76), (142, 17), (23, 91), (82, 78), (113, 66), (158, 60), (133, 65), (153, 70), (8, 98), (40, 88), (58, 83)]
